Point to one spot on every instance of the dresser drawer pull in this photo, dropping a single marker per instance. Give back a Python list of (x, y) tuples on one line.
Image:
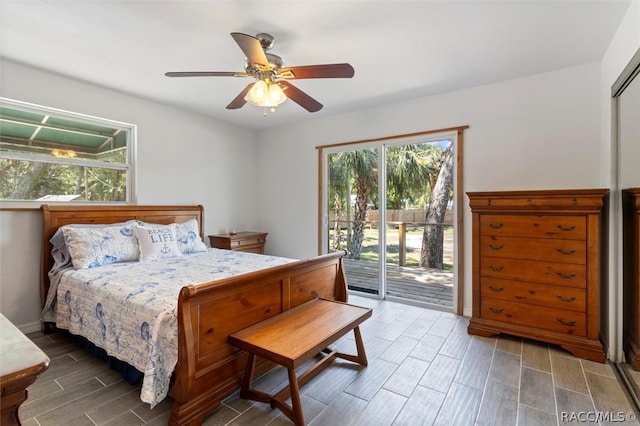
[(566, 275), (569, 323), (496, 246), (566, 228), (566, 299), (496, 289), (496, 268), (495, 310), (496, 225), (565, 251)]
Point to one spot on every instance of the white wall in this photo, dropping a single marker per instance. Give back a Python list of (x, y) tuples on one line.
[(623, 46), (539, 132), (182, 159)]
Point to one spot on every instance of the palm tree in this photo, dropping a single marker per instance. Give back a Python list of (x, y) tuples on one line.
[(361, 168), (409, 171), (339, 190)]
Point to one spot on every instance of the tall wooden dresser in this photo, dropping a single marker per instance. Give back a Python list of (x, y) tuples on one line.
[(631, 275), (539, 267)]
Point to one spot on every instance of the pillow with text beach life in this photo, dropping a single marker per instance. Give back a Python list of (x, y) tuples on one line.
[(188, 235), (157, 242)]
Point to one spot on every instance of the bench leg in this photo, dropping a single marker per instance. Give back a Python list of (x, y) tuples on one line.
[(361, 357), (294, 412), (246, 391)]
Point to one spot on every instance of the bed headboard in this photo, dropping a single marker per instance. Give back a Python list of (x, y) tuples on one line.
[(55, 216)]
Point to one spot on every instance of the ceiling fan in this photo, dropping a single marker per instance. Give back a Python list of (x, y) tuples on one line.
[(272, 86)]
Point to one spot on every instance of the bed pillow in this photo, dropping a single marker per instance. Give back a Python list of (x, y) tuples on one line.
[(92, 246), (59, 250), (157, 242), (188, 235), (189, 239)]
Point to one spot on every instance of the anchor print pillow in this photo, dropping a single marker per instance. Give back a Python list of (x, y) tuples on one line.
[(94, 246), (188, 235), (157, 242)]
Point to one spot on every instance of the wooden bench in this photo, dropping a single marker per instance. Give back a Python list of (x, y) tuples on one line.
[(294, 337)]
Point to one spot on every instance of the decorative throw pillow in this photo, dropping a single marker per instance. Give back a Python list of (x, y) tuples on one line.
[(157, 242), (91, 246), (188, 235), (189, 239)]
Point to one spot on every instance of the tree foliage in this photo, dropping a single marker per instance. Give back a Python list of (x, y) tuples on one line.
[(31, 180), (412, 175), (409, 171), (358, 170)]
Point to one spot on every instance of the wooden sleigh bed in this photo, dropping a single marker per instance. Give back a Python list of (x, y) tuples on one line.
[(208, 367)]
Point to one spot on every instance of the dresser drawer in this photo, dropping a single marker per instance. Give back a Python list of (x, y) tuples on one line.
[(544, 226), (567, 274), (566, 251), (540, 317), (553, 296)]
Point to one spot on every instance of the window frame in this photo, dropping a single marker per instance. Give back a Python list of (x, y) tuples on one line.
[(128, 166)]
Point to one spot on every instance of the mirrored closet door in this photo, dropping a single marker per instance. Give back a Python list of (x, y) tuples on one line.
[(626, 107)]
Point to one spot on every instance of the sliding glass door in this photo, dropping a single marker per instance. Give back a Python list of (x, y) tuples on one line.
[(390, 205)]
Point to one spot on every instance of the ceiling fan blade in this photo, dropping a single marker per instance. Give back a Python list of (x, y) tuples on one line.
[(299, 97), (252, 49), (206, 74), (317, 71), (238, 101)]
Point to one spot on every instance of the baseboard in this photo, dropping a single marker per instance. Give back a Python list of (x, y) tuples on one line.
[(31, 327)]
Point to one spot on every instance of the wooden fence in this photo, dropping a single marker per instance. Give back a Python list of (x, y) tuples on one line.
[(406, 216), (402, 219)]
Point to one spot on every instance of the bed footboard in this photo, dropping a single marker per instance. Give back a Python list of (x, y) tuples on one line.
[(209, 368)]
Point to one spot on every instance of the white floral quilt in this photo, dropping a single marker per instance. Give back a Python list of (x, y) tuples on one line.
[(129, 309)]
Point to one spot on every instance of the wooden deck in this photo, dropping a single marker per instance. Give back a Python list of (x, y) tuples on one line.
[(433, 286)]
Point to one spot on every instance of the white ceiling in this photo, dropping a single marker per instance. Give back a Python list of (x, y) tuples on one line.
[(400, 49)]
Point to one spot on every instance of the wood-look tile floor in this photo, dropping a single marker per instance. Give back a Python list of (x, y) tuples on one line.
[(423, 369)]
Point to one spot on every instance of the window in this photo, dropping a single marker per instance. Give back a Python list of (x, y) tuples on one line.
[(49, 155)]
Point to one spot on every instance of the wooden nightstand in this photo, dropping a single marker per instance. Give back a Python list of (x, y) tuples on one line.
[(251, 242)]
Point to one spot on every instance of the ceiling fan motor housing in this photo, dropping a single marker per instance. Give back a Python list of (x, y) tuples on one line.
[(266, 40)]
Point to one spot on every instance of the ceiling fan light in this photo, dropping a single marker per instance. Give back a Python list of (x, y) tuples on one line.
[(265, 94), (276, 95), (258, 94)]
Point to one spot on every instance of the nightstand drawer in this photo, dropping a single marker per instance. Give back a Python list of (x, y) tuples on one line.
[(249, 241), (252, 242)]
